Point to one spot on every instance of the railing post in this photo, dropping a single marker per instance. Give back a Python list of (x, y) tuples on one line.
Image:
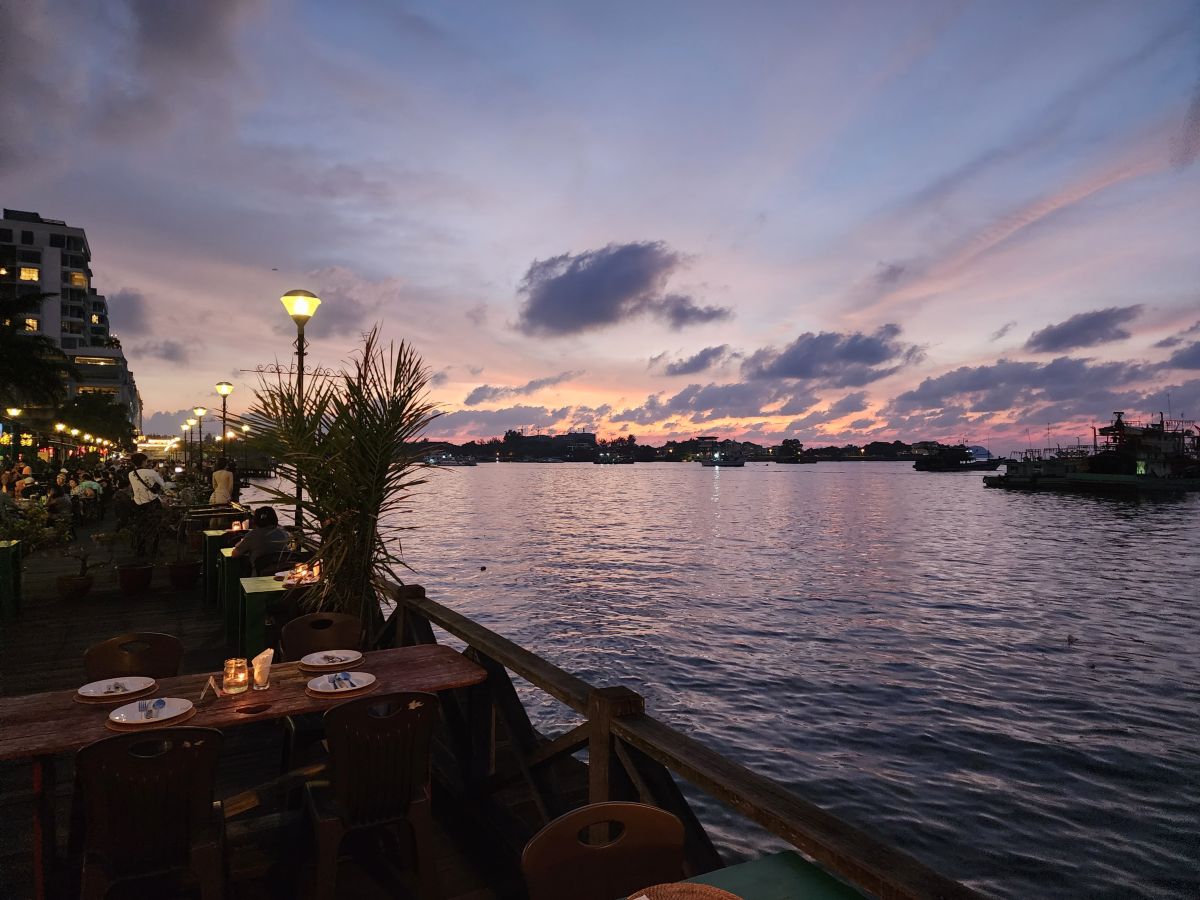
[(604, 705)]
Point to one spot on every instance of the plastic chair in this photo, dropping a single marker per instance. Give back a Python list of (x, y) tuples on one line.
[(379, 775), (320, 631), (149, 809), (137, 653), (560, 864)]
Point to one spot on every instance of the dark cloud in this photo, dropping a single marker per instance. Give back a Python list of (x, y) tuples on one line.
[(166, 423), (1176, 339), (494, 422), (349, 302), (487, 393), (1003, 330), (439, 378), (704, 359), (1085, 387), (851, 403), (889, 273), (1186, 357), (1087, 329), (571, 294), (129, 312), (166, 349), (136, 71), (704, 403), (834, 359), (478, 314)]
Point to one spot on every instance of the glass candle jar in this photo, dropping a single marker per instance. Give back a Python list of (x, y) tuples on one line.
[(237, 676)]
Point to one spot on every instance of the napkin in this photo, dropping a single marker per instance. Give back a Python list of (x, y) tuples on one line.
[(264, 658)]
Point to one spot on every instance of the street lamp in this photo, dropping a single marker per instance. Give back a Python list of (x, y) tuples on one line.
[(301, 306), (200, 412), (245, 438), (224, 388), (187, 444), (191, 437), (13, 413)]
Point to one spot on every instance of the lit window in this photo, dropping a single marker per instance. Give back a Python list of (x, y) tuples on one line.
[(95, 361), (95, 319), (28, 273), (78, 279), (31, 324)]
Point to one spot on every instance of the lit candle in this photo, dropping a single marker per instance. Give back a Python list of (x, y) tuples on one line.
[(237, 677)]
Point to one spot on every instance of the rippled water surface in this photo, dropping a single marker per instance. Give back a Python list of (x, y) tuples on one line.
[(1005, 685)]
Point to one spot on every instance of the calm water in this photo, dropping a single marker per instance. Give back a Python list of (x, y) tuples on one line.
[(1005, 685)]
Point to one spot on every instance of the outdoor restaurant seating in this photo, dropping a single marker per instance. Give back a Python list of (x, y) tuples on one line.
[(644, 847), (271, 563), (146, 653), (378, 775), (298, 638), (149, 809)]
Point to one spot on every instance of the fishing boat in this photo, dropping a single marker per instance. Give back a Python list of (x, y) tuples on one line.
[(608, 458), (449, 460), (1125, 456)]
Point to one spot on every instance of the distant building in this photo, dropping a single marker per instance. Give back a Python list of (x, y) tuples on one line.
[(46, 256)]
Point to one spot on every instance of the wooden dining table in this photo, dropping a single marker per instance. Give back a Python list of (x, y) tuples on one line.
[(39, 727)]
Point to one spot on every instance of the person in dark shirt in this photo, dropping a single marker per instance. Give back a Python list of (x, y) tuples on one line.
[(265, 537)]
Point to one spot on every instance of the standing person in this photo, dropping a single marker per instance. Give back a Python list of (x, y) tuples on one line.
[(147, 486), (222, 483)]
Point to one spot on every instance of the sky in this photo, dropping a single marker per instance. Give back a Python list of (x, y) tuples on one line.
[(837, 222)]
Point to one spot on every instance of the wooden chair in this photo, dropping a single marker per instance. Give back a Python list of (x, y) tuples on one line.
[(379, 775), (298, 638), (560, 863), (149, 809), (320, 631), (137, 653)]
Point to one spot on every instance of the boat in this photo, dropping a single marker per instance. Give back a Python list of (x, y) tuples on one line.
[(958, 458), (449, 460), (726, 460), (1161, 457), (607, 458)]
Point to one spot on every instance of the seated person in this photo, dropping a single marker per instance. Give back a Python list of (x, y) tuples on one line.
[(264, 537), (88, 488), (58, 503)]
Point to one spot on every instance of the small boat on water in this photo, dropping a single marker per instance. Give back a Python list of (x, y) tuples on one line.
[(449, 460), (1161, 457), (719, 460), (607, 458), (958, 458)]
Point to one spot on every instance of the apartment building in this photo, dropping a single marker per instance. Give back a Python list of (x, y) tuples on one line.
[(48, 257)]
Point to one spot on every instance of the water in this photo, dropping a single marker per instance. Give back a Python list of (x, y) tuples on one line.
[(1005, 685)]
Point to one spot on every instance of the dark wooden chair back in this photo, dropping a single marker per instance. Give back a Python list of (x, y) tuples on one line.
[(320, 631), (379, 755), (270, 563), (137, 653), (148, 797), (645, 847)]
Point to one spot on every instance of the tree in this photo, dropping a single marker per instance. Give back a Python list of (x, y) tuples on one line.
[(96, 414), (33, 371)]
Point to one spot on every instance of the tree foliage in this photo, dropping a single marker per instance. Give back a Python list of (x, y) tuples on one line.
[(97, 414), (33, 371), (353, 441)]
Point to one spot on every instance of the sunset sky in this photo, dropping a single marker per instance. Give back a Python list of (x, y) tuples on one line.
[(830, 221)]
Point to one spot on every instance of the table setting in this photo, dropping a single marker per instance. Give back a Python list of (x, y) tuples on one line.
[(116, 690)]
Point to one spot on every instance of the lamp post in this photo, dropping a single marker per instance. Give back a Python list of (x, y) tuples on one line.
[(200, 412), (301, 306), (245, 437), (14, 413), (191, 424), (224, 388)]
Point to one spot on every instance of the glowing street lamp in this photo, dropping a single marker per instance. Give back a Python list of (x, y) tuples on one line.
[(224, 388), (301, 306), (200, 412)]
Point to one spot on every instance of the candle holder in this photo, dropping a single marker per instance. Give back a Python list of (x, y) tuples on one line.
[(237, 676)]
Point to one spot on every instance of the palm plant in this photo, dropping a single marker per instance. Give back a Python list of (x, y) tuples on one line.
[(352, 439)]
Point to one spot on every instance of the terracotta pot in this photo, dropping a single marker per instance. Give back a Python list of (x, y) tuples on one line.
[(74, 587), (134, 578), (183, 575)]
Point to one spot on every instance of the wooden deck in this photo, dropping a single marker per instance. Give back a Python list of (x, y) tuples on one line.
[(268, 836)]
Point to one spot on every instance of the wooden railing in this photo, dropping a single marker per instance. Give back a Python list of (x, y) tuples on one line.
[(631, 755)]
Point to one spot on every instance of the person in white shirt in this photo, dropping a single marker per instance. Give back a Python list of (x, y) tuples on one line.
[(222, 483), (146, 485)]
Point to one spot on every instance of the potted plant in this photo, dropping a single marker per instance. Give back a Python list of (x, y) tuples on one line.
[(144, 533), (183, 571), (74, 587), (354, 440)]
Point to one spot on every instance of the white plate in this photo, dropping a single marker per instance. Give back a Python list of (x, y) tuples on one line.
[(322, 685), (115, 687), (340, 658), (129, 714)]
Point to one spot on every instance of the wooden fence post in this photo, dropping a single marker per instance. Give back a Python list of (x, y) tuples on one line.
[(604, 705)]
